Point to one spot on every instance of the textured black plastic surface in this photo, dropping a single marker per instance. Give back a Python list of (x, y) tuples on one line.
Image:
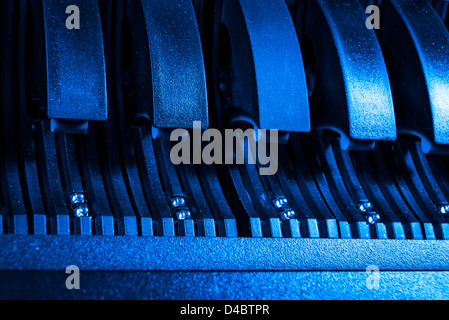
[(419, 44), (266, 82), (76, 76), (352, 93), (177, 66)]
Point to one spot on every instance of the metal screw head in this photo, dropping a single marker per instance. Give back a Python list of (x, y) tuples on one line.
[(77, 198), (287, 214), (183, 215), (443, 208), (364, 206), (177, 202), (81, 211), (280, 202), (373, 217)]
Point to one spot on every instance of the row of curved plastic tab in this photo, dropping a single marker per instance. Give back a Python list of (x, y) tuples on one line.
[(85, 112)]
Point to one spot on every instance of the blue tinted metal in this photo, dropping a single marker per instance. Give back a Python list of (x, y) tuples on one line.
[(106, 202)]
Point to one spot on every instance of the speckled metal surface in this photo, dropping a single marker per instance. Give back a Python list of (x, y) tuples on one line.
[(76, 76), (245, 254), (177, 66)]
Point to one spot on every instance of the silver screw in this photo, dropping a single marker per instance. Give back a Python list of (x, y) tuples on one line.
[(373, 217), (77, 198), (183, 215), (81, 211), (364, 206), (287, 214), (280, 202), (177, 202), (443, 208)]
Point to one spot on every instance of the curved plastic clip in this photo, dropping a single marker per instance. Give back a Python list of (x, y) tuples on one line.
[(177, 66), (266, 77), (419, 45), (76, 76), (351, 94)]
